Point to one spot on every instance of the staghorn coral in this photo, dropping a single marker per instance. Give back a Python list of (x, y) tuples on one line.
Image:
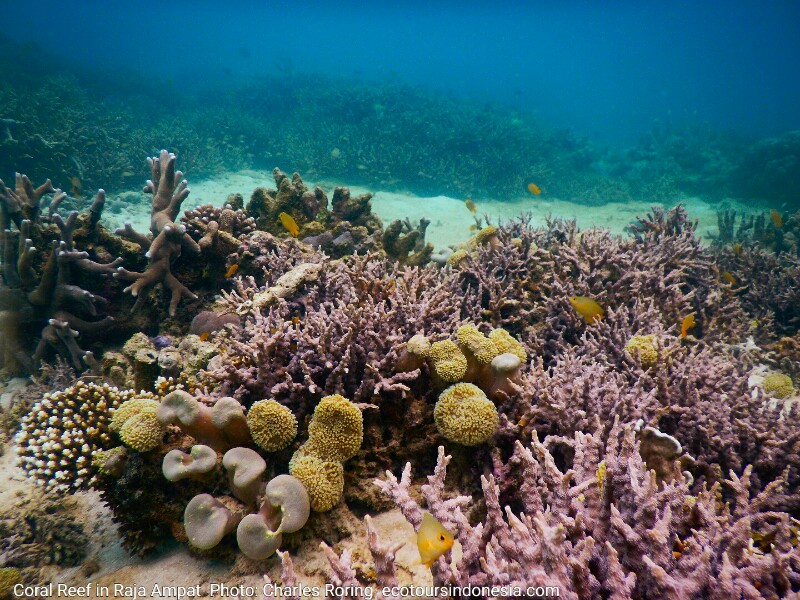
[(169, 239), (626, 538), (57, 440)]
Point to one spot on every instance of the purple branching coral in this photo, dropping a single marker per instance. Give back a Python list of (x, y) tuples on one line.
[(169, 238), (525, 285), (603, 527), (341, 333), (42, 292)]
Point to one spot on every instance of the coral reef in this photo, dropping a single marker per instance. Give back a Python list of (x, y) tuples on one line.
[(45, 530), (607, 532), (36, 293), (59, 437), (169, 239)]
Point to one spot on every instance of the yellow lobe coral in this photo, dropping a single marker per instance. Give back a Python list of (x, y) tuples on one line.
[(143, 431), (487, 235), (456, 257), (272, 425), (778, 385), (129, 408), (643, 348), (137, 424), (448, 362), (323, 479), (336, 430), (465, 415), (506, 344), (474, 344)]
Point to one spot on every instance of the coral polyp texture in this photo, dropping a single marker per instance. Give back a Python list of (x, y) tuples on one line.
[(59, 437)]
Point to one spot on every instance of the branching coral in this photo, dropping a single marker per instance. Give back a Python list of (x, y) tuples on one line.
[(58, 438), (36, 293), (611, 532), (169, 239)]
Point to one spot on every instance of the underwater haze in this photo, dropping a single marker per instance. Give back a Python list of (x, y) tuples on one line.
[(607, 70)]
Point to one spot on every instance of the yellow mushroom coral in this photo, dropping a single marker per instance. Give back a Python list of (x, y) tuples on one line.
[(643, 348), (465, 415), (322, 479), (448, 364), (272, 425)]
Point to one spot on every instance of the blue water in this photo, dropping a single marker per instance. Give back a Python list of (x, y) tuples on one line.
[(606, 70)]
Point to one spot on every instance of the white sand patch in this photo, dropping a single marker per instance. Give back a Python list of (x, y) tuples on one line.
[(450, 219)]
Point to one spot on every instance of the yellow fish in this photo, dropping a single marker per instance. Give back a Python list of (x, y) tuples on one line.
[(471, 206), (737, 249), (289, 223), (534, 189), (728, 276), (473, 227), (433, 540), (687, 324), (777, 218), (590, 310)]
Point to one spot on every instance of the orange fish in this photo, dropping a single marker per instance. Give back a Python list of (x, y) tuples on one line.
[(231, 270), (687, 324), (590, 310), (728, 276), (471, 206), (776, 217), (534, 189), (76, 187), (204, 336), (289, 223), (295, 320)]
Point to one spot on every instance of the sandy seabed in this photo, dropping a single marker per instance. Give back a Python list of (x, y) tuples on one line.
[(450, 219)]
